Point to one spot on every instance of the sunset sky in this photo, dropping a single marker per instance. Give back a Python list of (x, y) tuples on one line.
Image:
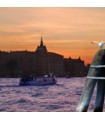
[(66, 31)]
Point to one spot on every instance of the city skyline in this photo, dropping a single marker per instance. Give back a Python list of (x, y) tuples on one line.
[(66, 31)]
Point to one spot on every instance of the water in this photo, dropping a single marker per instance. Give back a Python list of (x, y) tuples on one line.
[(61, 97)]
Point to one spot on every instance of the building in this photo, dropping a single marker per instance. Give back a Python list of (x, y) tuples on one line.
[(75, 67), (39, 63), (47, 62)]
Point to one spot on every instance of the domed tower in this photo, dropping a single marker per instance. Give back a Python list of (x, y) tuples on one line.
[(41, 59), (41, 47)]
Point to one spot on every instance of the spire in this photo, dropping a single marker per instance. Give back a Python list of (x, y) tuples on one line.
[(41, 47), (79, 58), (41, 42), (70, 57)]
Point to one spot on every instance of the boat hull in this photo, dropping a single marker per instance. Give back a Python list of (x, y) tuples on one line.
[(44, 82)]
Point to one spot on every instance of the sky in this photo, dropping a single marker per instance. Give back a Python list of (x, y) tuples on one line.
[(65, 30)]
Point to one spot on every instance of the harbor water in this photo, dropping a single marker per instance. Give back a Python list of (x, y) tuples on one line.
[(62, 97)]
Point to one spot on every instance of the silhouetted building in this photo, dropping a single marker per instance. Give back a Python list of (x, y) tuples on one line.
[(47, 62), (75, 67), (38, 63)]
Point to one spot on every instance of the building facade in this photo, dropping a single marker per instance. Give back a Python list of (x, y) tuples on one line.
[(75, 67), (39, 63), (47, 62)]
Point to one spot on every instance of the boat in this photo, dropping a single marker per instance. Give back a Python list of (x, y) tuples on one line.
[(37, 81)]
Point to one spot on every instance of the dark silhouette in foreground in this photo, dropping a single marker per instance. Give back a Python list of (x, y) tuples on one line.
[(96, 75)]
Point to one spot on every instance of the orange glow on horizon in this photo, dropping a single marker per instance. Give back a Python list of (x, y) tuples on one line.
[(73, 53), (66, 31)]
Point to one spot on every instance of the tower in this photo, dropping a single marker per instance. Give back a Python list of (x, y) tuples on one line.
[(41, 59), (41, 42), (42, 47)]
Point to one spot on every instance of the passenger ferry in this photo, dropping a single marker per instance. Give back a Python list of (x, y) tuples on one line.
[(37, 81)]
